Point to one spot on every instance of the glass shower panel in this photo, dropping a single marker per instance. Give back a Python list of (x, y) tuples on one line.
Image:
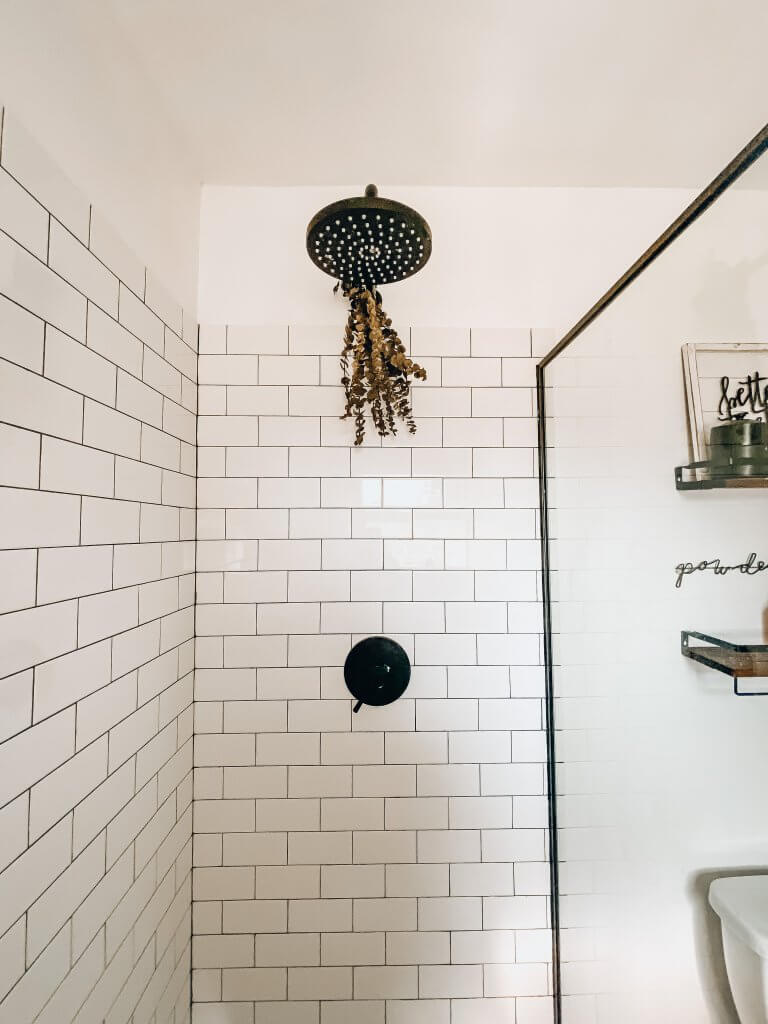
[(661, 769)]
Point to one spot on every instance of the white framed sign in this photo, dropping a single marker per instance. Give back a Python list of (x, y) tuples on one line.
[(724, 381)]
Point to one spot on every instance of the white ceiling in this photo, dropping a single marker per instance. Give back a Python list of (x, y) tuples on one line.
[(456, 92)]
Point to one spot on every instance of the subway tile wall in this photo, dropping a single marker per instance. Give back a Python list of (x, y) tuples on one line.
[(98, 397), (389, 865)]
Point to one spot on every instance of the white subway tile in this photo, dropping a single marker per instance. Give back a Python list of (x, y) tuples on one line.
[(386, 982), (478, 681), (31, 873), (442, 462), (449, 846), (289, 493), (111, 430), (230, 369), (36, 634), (14, 836), (474, 372), (340, 749), (381, 462), (413, 493), (228, 430), (416, 812), (293, 370), (252, 400), (21, 336), (454, 522), (140, 320), (475, 554), (288, 430), (353, 948), (15, 703), (318, 462), (441, 402), (22, 217), (515, 979), (446, 649), (454, 981), (179, 354), (520, 433), (76, 469), (247, 652), (519, 373), (473, 433), (306, 340), (419, 1011), (391, 914), (72, 260), (260, 340), (315, 401), (384, 780), (255, 462), (340, 493), (417, 748), (440, 341), (71, 572), (288, 748), (455, 913), (54, 796), (18, 572), (503, 462), (21, 457), (480, 747), (502, 401), (137, 481), (413, 554), (351, 617), (106, 521), (36, 403), (443, 586), (474, 494), (501, 341), (351, 554)]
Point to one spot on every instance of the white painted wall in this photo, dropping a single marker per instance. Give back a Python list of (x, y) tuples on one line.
[(500, 256), (663, 776), (68, 74)]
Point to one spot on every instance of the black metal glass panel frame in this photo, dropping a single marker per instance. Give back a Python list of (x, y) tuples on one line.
[(734, 170)]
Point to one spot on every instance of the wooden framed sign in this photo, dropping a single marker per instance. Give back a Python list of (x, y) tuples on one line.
[(724, 381)]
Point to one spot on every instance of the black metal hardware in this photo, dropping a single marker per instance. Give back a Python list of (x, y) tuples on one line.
[(377, 671), (736, 659), (369, 241)]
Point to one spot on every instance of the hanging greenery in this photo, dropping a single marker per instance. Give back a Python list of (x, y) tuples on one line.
[(376, 371)]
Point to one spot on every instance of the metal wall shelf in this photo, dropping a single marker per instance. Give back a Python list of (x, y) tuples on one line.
[(739, 659), (697, 476)]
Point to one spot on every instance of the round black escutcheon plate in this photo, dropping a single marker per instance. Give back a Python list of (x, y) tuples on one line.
[(377, 671)]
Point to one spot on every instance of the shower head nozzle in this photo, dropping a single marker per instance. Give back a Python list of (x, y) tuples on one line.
[(369, 241)]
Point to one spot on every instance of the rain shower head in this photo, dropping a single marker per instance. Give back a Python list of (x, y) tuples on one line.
[(368, 241)]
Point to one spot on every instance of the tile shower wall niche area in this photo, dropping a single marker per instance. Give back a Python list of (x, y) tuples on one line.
[(387, 865)]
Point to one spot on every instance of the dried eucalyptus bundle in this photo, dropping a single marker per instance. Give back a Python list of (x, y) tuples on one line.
[(376, 371)]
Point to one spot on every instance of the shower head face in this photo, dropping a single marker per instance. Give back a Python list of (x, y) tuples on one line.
[(369, 241)]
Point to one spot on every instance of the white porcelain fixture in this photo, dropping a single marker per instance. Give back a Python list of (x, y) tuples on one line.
[(742, 905)]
